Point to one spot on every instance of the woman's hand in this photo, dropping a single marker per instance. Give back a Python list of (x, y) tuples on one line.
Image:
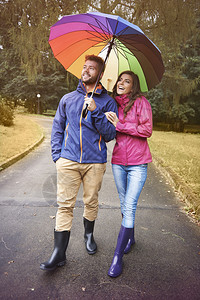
[(91, 103), (112, 117)]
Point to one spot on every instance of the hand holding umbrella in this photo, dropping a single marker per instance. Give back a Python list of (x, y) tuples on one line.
[(89, 105)]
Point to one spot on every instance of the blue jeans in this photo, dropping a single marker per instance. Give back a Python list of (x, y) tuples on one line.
[(129, 181)]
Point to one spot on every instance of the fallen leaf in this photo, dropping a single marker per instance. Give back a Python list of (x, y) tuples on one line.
[(144, 228), (11, 261), (83, 289), (52, 217)]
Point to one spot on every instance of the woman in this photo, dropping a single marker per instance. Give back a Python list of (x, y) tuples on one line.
[(130, 157)]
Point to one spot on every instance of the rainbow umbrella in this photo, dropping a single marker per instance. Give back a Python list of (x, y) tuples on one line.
[(121, 44)]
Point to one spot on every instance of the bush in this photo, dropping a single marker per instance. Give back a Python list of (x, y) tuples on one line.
[(6, 114)]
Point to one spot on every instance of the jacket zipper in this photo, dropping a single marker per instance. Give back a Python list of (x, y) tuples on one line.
[(66, 129), (100, 143), (81, 141), (81, 146), (126, 151)]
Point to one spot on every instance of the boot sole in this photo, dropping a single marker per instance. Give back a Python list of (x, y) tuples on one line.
[(89, 252), (60, 264), (114, 275), (92, 252)]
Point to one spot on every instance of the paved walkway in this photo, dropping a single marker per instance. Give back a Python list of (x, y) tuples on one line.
[(164, 264)]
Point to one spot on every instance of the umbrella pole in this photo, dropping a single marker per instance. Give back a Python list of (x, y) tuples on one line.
[(107, 55), (85, 111)]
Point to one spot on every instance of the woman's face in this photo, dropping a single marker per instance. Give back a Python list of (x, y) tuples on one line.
[(124, 84)]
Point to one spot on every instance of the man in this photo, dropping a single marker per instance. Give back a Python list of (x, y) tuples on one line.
[(80, 152)]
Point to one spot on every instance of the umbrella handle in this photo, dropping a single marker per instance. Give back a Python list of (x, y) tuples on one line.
[(85, 111)]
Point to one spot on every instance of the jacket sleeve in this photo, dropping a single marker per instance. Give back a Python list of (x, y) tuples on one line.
[(104, 127), (143, 127), (58, 129)]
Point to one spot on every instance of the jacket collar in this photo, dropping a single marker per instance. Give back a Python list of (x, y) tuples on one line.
[(122, 100), (99, 89)]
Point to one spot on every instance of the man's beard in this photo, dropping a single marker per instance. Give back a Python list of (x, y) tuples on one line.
[(89, 80)]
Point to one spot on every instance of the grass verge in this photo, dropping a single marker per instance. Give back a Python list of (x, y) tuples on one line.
[(179, 154), (16, 139)]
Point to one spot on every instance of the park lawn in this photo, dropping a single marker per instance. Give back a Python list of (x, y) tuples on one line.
[(17, 138), (180, 152)]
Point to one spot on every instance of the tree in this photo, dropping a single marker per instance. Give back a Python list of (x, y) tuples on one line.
[(27, 63), (173, 25)]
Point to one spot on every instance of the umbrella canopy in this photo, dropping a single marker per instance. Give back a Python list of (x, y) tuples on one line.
[(128, 48)]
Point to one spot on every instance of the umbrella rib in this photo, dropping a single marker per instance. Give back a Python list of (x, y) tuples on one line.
[(105, 48), (117, 54), (124, 54), (100, 36), (98, 22), (118, 48), (123, 30), (120, 52), (116, 27), (99, 33), (99, 45), (135, 49), (123, 48), (101, 25), (129, 52), (115, 50), (108, 26)]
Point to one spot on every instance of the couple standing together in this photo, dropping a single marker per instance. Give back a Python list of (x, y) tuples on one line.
[(79, 150)]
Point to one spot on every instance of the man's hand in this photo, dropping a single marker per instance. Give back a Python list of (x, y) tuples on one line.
[(91, 103), (112, 117)]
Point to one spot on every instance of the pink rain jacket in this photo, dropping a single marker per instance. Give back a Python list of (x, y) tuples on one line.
[(131, 146)]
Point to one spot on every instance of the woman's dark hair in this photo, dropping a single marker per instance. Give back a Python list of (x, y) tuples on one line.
[(135, 93)]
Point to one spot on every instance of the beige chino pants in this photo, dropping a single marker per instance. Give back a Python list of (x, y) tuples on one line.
[(70, 174)]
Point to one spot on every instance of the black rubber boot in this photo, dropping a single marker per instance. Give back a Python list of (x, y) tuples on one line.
[(90, 244), (58, 257)]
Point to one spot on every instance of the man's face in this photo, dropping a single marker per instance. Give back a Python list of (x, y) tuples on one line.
[(90, 72)]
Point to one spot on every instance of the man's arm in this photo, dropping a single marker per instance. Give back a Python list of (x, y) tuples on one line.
[(104, 127), (57, 133)]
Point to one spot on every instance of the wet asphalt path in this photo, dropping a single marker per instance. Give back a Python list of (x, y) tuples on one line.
[(164, 263)]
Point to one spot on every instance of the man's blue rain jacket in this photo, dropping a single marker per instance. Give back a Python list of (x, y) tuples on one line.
[(82, 139)]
